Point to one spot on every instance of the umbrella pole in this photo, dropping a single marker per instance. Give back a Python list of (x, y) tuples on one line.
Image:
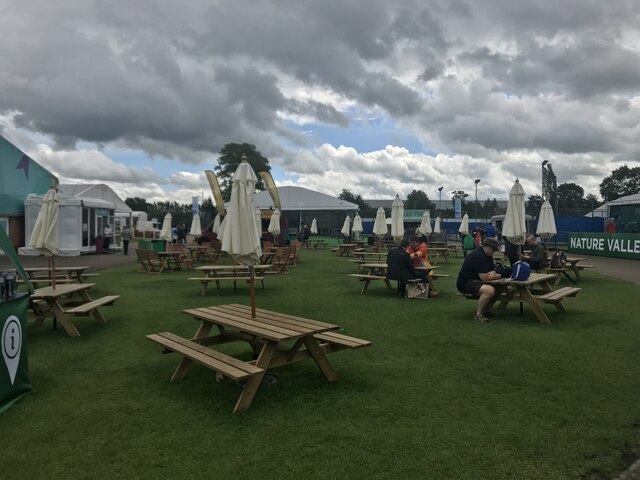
[(52, 269), (252, 288)]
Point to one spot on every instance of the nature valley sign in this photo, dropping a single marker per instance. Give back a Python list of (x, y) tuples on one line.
[(621, 245)]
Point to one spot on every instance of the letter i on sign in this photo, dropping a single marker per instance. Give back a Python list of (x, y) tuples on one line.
[(11, 345)]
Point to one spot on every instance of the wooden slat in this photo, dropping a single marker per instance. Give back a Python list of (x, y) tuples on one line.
[(215, 279), (282, 316), (559, 294), (243, 324), (268, 321), (229, 366), (367, 277), (344, 340), (92, 305)]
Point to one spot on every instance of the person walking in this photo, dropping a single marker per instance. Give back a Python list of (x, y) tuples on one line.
[(126, 238)]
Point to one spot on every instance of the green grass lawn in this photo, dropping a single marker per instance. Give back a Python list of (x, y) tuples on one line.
[(436, 395)]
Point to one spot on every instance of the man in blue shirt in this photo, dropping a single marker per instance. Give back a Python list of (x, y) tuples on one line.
[(478, 267)]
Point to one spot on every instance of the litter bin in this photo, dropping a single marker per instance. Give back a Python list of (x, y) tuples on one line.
[(99, 243), (158, 245), (144, 244)]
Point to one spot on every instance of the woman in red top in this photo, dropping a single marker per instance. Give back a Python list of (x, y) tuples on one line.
[(418, 252)]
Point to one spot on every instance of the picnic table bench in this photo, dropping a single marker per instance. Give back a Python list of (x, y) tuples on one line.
[(150, 261), (276, 339), (62, 313), (378, 270), (234, 273), (317, 243)]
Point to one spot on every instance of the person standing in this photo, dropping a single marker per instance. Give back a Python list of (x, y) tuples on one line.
[(107, 239), (126, 237), (611, 227)]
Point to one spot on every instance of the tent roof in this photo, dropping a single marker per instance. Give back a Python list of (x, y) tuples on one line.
[(98, 190), (628, 200), (298, 198)]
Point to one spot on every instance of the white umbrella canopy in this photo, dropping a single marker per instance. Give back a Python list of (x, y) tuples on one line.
[(380, 224), (216, 225), (196, 226), (397, 218), (240, 234), (546, 221), (314, 227), (345, 226), (165, 233), (274, 223), (425, 224), (357, 226), (436, 227), (44, 237), (464, 225), (515, 226)]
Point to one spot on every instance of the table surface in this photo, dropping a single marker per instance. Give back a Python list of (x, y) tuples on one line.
[(57, 268), (60, 290), (267, 324), (533, 278), (222, 268)]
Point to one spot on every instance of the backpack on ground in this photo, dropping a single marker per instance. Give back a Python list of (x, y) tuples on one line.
[(558, 259), (520, 271)]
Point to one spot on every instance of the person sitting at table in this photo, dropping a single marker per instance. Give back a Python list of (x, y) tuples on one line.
[(400, 268), (417, 250), (538, 256), (478, 267)]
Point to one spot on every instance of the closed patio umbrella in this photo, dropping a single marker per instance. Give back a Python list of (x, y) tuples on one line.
[(216, 225), (44, 237), (546, 222), (274, 225), (515, 226), (436, 227), (345, 227), (380, 225), (314, 227), (425, 224), (165, 233), (239, 236), (464, 225), (397, 218), (196, 226), (357, 226)]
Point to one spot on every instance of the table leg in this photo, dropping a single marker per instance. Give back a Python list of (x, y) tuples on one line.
[(95, 313), (61, 317), (185, 363), (535, 306), (576, 270), (254, 381), (320, 358)]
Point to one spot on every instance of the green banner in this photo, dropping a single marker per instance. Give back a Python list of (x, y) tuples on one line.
[(620, 245), (14, 370)]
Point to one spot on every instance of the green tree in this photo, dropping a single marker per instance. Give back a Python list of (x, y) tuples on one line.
[(489, 208), (418, 200), (549, 184), (622, 181), (230, 157), (533, 205), (591, 201), (570, 195), (137, 204), (349, 196)]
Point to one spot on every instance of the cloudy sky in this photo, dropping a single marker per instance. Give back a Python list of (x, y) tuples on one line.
[(375, 96)]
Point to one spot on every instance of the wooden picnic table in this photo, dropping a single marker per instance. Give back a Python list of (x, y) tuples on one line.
[(434, 253), (53, 297), (217, 273), (276, 339), (346, 248), (198, 252), (317, 243), (534, 291), (573, 265), (370, 256), (64, 274), (171, 260), (379, 269)]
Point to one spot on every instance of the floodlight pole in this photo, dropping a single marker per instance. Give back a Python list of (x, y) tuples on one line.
[(476, 181), (440, 202), (542, 190)]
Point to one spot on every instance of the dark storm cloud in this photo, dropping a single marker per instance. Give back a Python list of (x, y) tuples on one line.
[(180, 80)]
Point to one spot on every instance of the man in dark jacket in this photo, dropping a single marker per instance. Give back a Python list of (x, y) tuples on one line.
[(399, 266), (477, 268)]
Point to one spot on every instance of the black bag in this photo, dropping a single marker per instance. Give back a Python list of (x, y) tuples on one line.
[(418, 290), (558, 259), (502, 270)]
